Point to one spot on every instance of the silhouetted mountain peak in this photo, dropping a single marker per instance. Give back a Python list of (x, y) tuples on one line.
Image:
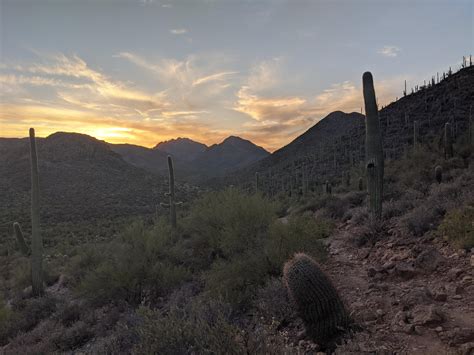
[(181, 148)]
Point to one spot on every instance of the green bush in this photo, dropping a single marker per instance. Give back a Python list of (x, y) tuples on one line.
[(199, 327), (300, 234), (229, 222), (236, 280), (458, 228), (135, 267)]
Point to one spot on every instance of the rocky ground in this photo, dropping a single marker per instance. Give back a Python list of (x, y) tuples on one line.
[(408, 295)]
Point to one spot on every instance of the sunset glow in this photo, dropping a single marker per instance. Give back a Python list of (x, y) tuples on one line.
[(163, 73)]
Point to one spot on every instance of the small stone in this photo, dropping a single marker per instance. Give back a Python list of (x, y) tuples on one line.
[(454, 273), (439, 329), (404, 270), (428, 316), (371, 272), (457, 297), (466, 279), (380, 312), (428, 260), (472, 260)]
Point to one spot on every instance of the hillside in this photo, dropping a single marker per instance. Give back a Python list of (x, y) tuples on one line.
[(152, 160), (81, 178), (335, 145)]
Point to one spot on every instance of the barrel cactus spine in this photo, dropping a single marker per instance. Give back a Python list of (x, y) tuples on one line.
[(316, 299), (373, 148)]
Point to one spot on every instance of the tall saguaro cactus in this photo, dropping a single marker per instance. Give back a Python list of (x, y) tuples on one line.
[(448, 141), (415, 134), (36, 239), (373, 148), (172, 203)]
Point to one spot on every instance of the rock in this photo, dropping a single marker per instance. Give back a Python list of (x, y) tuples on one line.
[(467, 349), (454, 273), (472, 260), (439, 329), (457, 297), (428, 260), (428, 316), (371, 272), (462, 336), (440, 294), (466, 279), (417, 296), (404, 270)]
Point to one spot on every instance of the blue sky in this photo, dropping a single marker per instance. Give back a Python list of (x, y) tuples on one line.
[(142, 71)]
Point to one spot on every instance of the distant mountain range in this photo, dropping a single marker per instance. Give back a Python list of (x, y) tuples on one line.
[(194, 161), (82, 177)]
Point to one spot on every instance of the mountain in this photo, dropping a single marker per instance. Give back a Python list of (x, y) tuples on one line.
[(153, 160), (193, 161), (335, 146), (81, 178), (231, 154), (183, 149)]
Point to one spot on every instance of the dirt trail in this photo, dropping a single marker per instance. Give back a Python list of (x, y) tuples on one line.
[(409, 296)]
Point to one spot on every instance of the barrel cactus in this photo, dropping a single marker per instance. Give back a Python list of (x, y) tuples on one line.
[(373, 148), (316, 299)]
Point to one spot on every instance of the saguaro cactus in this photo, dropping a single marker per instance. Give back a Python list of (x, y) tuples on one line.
[(448, 141), (316, 299), (172, 204), (415, 134), (361, 184), (373, 148), (439, 174), (36, 238)]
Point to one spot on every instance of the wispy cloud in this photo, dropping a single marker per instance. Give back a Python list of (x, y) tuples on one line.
[(179, 31), (389, 51)]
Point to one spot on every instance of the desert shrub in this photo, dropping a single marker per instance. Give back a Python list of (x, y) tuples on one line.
[(415, 171), (229, 222), (236, 280), (273, 303), (6, 318), (135, 267), (24, 315), (300, 234), (73, 337), (202, 327), (84, 259), (430, 210), (457, 227)]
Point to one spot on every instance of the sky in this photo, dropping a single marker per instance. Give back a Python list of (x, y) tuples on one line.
[(144, 71)]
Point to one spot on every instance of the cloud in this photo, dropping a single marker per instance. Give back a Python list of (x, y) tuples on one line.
[(389, 51), (179, 31), (213, 77)]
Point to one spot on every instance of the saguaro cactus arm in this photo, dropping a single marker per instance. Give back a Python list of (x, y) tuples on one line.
[(21, 240)]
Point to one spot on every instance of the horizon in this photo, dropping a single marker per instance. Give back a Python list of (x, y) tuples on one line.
[(146, 71)]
